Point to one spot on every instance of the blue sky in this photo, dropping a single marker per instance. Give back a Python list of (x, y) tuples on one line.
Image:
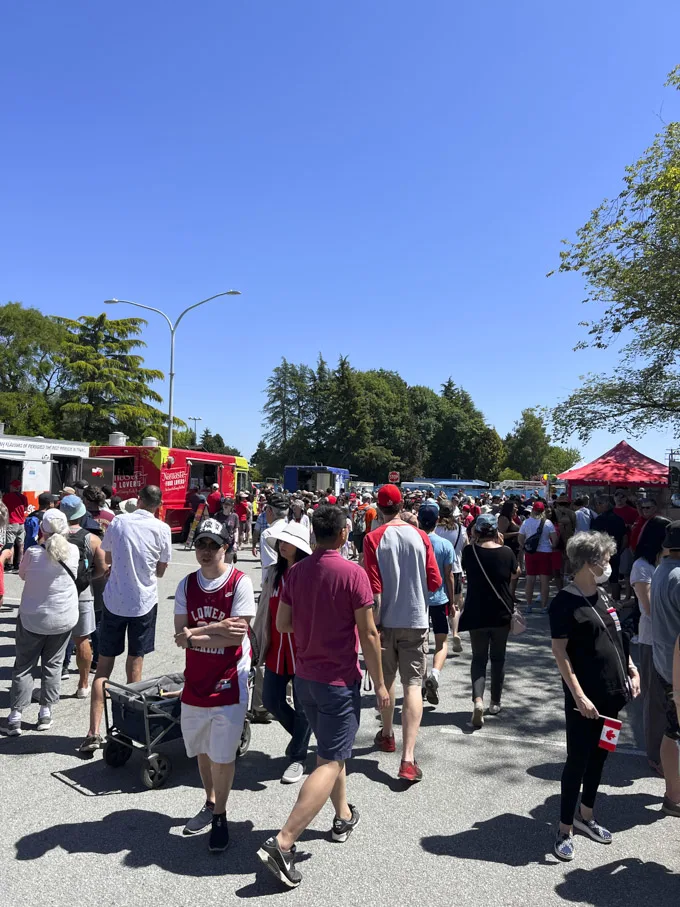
[(386, 180)]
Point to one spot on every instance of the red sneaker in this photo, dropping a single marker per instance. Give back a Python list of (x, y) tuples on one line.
[(410, 771), (386, 744)]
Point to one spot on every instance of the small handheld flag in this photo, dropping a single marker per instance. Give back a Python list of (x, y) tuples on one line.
[(610, 733)]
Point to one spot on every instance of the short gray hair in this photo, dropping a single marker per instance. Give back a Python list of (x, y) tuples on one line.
[(279, 512), (589, 548)]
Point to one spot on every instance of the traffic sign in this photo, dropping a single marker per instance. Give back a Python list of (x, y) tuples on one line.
[(393, 478)]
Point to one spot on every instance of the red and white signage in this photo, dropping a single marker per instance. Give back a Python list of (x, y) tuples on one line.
[(610, 734), (393, 478)]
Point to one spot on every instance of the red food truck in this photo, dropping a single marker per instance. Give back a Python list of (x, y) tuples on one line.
[(178, 473)]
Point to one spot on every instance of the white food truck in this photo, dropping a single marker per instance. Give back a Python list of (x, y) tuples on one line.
[(45, 464)]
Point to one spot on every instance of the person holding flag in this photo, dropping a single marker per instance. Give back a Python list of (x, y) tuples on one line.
[(598, 679)]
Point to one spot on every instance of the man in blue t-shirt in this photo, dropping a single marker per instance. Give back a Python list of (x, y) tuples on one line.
[(440, 600)]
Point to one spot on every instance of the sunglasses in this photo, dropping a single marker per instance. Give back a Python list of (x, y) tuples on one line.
[(203, 544)]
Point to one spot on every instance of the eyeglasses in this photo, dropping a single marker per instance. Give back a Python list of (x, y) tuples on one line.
[(203, 544)]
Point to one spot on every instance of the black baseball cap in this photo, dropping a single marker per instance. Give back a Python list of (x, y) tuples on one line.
[(45, 499), (672, 538)]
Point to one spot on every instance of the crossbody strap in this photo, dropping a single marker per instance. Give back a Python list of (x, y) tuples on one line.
[(486, 577), (68, 570)]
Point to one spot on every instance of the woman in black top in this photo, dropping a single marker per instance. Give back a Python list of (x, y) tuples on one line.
[(490, 567), (509, 529), (597, 676)]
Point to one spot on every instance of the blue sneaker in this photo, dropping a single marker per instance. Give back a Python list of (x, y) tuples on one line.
[(564, 846)]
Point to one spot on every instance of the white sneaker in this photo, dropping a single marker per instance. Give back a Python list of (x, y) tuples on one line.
[(44, 720), (14, 725), (494, 708), (478, 716), (82, 692)]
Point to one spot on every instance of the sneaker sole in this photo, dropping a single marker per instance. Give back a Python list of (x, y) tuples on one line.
[(44, 727), (669, 811), (341, 838), (586, 831), (14, 733), (408, 778), (563, 858), (187, 832), (218, 849), (292, 780), (431, 694), (477, 720), (275, 869)]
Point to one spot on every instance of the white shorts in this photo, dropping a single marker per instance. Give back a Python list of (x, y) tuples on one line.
[(214, 731)]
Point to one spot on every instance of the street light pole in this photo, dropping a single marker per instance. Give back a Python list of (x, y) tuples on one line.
[(195, 420), (173, 330)]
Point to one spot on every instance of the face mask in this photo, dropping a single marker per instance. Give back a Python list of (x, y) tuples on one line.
[(606, 574)]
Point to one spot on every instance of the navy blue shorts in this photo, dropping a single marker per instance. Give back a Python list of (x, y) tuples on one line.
[(439, 620), (141, 633), (333, 714)]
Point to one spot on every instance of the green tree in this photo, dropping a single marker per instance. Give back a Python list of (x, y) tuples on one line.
[(105, 386), (320, 407), (629, 254), (528, 445), (507, 475), (207, 441), (560, 459), (184, 439)]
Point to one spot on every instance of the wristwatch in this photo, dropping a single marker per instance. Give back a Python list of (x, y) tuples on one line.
[(190, 645)]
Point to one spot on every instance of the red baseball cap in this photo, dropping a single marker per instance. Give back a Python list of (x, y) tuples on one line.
[(539, 506), (15, 483), (332, 499), (389, 495)]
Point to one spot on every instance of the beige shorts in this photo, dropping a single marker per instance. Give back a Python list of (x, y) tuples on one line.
[(405, 650), (214, 731)]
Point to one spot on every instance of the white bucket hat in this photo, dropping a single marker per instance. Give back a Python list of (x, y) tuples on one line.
[(54, 522), (293, 533)]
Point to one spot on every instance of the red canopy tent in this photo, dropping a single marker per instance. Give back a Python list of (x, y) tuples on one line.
[(622, 465)]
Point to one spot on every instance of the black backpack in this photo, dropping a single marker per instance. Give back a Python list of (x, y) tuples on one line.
[(83, 577)]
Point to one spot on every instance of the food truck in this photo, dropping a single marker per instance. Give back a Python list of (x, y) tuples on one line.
[(180, 474), (45, 464), (315, 478)]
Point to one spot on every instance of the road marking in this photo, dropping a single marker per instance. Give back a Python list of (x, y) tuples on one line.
[(532, 741)]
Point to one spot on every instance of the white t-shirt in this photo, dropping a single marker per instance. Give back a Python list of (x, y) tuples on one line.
[(459, 539), (530, 527), (642, 572), (137, 542), (49, 601), (243, 605)]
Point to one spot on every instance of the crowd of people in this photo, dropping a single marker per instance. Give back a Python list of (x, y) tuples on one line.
[(348, 574)]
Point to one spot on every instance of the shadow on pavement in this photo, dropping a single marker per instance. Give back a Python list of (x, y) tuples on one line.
[(626, 881), (522, 840), (621, 770)]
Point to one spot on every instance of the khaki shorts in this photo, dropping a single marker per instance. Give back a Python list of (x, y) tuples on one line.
[(405, 650)]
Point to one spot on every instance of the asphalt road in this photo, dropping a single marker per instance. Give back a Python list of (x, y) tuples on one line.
[(478, 830)]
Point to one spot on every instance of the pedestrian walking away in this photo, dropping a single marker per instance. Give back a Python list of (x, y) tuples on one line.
[(138, 550), (440, 602), (326, 602), (403, 570), (490, 567)]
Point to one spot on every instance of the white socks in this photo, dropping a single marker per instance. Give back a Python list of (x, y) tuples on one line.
[(435, 673), (14, 715), (45, 711)]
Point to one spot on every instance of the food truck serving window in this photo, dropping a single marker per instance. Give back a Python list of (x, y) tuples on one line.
[(203, 473)]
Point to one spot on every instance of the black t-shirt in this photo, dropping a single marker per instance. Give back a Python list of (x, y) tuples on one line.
[(482, 606), (595, 644), (612, 524)]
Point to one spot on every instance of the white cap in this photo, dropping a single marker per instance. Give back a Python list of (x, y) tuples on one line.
[(54, 521), (129, 505)]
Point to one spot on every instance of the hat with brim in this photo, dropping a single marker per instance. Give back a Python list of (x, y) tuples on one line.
[(129, 505), (210, 529), (293, 533)]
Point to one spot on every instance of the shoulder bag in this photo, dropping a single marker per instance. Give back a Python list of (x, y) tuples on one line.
[(518, 622), (532, 543)]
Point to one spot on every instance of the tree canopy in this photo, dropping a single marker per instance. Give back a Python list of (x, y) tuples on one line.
[(629, 254), (372, 422)]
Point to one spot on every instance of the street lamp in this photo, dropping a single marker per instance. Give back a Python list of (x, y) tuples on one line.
[(173, 328), (195, 420)]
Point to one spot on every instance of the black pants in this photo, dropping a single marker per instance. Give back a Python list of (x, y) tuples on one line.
[(488, 644), (585, 759)]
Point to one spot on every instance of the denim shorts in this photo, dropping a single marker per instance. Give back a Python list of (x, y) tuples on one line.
[(141, 634), (333, 713)]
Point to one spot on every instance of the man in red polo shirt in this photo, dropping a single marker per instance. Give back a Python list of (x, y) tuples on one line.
[(16, 504)]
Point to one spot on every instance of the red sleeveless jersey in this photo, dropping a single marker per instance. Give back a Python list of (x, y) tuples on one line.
[(211, 675)]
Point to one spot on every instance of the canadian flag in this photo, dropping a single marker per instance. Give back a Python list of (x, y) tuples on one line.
[(610, 734)]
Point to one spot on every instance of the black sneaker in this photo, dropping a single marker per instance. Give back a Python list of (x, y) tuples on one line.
[(219, 834), (432, 689), (280, 863), (343, 828)]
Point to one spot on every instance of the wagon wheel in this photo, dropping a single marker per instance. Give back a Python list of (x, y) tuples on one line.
[(244, 744), (156, 771), (116, 753)]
